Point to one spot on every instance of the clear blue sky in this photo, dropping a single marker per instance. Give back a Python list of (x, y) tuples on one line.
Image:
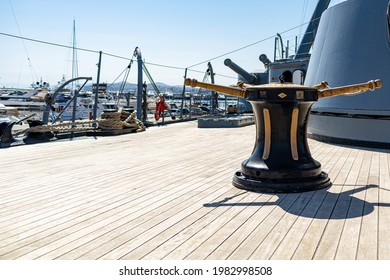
[(171, 32)]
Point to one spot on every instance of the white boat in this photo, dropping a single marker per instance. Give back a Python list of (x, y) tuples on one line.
[(8, 114), (62, 109), (31, 99)]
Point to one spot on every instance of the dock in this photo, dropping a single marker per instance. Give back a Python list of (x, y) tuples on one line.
[(167, 194)]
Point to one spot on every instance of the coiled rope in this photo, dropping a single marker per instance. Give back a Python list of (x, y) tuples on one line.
[(109, 121)]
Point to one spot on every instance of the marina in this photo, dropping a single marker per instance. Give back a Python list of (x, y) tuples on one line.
[(105, 198)]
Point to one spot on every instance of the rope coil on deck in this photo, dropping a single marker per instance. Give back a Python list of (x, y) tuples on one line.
[(109, 121)]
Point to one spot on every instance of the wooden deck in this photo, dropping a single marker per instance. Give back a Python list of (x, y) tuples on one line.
[(166, 194)]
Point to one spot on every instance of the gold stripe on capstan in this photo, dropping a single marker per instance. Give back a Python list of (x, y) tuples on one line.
[(293, 134), (267, 133)]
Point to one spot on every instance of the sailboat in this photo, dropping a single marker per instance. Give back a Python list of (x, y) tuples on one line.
[(63, 108)]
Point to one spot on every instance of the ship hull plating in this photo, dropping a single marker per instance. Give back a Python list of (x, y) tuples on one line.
[(352, 44)]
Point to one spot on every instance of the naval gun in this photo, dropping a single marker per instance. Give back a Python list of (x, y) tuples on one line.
[(248, 77), (281, 160)]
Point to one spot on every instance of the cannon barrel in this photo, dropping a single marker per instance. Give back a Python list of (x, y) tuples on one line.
[(263, 58), (238, 92), (350, 89), (249, 78)]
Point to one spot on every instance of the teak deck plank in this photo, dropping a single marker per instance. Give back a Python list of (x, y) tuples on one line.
[(349, 238), (384, 211), (240, 235), (264, 228), (166, 193)]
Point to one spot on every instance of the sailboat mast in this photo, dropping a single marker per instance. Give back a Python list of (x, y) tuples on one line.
[(74, 56)]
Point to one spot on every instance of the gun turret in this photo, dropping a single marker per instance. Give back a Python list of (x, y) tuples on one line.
[(249, 78)]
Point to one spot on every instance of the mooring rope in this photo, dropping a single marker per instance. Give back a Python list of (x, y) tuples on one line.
[(109, 121)]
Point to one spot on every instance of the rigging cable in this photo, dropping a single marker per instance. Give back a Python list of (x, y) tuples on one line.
[(245, 47), (24, 45), (205, 80), (126, 69), (304, 9), (122, 88), (154, 64), (123, 84)]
